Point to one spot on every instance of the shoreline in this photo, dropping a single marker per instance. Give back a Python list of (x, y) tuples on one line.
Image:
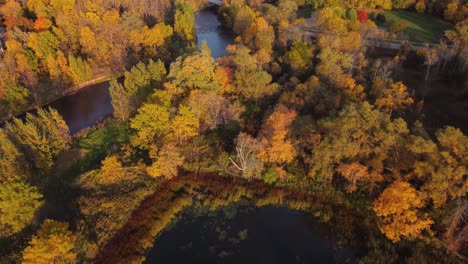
[(65, 93), (131, 242)]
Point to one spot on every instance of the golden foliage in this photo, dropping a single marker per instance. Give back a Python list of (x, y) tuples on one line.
[(276, 148), (112, 171), (53, 243), (395, 98), (167, 162), (353, 172), (398, 210)]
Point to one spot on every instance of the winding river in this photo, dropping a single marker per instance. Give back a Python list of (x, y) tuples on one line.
[(92, 104)]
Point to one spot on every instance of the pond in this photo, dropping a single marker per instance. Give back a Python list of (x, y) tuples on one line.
[(247, 235)]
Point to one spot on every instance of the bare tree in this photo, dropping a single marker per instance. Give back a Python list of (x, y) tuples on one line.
[(457, 230), (246, 161), (432, 57)]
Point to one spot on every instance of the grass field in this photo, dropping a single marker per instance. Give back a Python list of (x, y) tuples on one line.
[(421, 27)]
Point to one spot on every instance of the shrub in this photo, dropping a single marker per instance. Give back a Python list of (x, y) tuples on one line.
[(351, 14), (420, 7), (381, 18)]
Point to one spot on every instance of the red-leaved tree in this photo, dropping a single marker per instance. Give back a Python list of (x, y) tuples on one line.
[(362, 16)]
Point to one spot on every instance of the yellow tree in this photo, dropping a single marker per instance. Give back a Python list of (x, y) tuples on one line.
[(9, 157), (443, 166), (184, 125), (112, 171), (276, 147), (244, 17), (168, 159), (151, 123), (184, 22), (395, 98), (353, 172), (329, 19), (11, 9), (19, 202), (151, 38), (259, 35), (53, 243), (398, 211)]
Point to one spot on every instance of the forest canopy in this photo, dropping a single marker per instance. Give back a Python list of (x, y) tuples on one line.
[(323, 111)]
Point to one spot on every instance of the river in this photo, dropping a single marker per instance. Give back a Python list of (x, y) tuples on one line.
[(92, 104)]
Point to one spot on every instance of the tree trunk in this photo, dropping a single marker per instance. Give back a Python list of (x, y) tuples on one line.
[(428, 69), (445, 63)]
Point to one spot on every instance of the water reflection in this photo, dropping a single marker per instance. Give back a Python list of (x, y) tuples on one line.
[(243, 234)]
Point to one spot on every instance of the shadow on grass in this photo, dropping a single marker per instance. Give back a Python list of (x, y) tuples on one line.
[(86, 154), (421, 27)]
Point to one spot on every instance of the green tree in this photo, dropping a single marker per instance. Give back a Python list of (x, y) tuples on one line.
[(299, 57), (151, 123), (250, 80), (259, 35), (184, 125), (78, 70), (121, 100), (351, 14), (138, 83), (334, 66), (142, 79), (44, 44), (442, 166), (15, 98), (184, 22), (53, 243), (10, 162), (41, 137), (359, 136), (196, 71), (19, 202)]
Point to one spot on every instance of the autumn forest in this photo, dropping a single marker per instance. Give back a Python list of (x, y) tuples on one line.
[(137, 131)]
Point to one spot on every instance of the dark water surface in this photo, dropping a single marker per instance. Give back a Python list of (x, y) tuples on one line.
[(85, 107), (209, 29), (242, 235)]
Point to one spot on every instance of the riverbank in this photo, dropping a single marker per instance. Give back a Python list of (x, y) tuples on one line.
[(131, 243), (67, 92)]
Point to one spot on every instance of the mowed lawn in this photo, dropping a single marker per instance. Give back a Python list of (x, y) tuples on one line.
[(421, 27)]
